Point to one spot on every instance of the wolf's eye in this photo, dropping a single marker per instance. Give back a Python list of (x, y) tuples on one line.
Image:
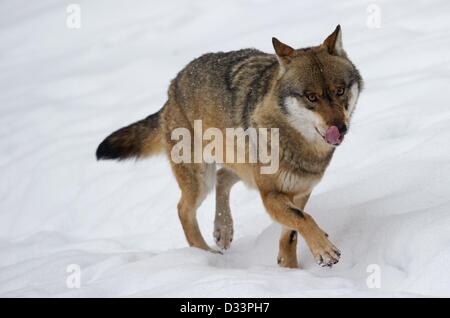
[(312, 98), (340, 91)]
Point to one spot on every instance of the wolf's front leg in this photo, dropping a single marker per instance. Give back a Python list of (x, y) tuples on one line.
[(282, 210), (287, 253)]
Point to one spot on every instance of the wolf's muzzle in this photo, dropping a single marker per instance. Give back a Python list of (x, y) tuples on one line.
[(335, 134)]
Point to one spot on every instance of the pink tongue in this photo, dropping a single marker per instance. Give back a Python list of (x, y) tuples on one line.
[(332, 135)]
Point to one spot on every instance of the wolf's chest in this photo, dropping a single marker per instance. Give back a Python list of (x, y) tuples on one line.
[(300, 184)]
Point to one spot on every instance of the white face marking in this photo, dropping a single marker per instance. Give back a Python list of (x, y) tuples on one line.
[(354, 91), (304, 120)]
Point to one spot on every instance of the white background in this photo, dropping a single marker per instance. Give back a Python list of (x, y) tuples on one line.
[(384, 200)]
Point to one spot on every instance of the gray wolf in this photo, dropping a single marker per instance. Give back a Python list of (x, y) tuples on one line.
[(309, 94)]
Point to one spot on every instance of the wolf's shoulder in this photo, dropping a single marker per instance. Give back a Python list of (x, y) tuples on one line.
[(226, 60), (223, 66), (242, 53)]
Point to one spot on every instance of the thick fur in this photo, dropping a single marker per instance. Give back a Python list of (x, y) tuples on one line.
[(250, 88), (138, 140)]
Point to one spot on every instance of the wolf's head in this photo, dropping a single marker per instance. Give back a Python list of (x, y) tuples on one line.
[(318, 88)]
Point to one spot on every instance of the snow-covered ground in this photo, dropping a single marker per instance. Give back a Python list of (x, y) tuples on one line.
[(385, 199)]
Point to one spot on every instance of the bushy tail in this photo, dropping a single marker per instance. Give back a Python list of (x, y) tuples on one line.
[(138, 140)]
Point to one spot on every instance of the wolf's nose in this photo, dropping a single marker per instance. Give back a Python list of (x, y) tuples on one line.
[(342, 128)]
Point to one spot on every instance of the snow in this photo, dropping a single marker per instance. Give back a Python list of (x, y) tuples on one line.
[(385, 199)]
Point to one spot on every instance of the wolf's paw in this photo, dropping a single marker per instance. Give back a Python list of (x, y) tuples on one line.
[(288, 262), (324, 252), (214, 251), (223, 233)]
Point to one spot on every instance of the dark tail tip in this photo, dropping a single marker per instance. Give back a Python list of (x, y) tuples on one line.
[(107, 151), (133, 141), (121, 144)]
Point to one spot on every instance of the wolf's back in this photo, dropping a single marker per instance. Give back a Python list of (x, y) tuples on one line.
[(138, 140), (229, 84)]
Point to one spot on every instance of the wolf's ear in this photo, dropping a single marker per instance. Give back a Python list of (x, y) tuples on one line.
[(284, 51), (333, 42)]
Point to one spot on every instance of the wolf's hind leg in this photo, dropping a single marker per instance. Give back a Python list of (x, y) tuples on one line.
[(223, 222), (195, 181)]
